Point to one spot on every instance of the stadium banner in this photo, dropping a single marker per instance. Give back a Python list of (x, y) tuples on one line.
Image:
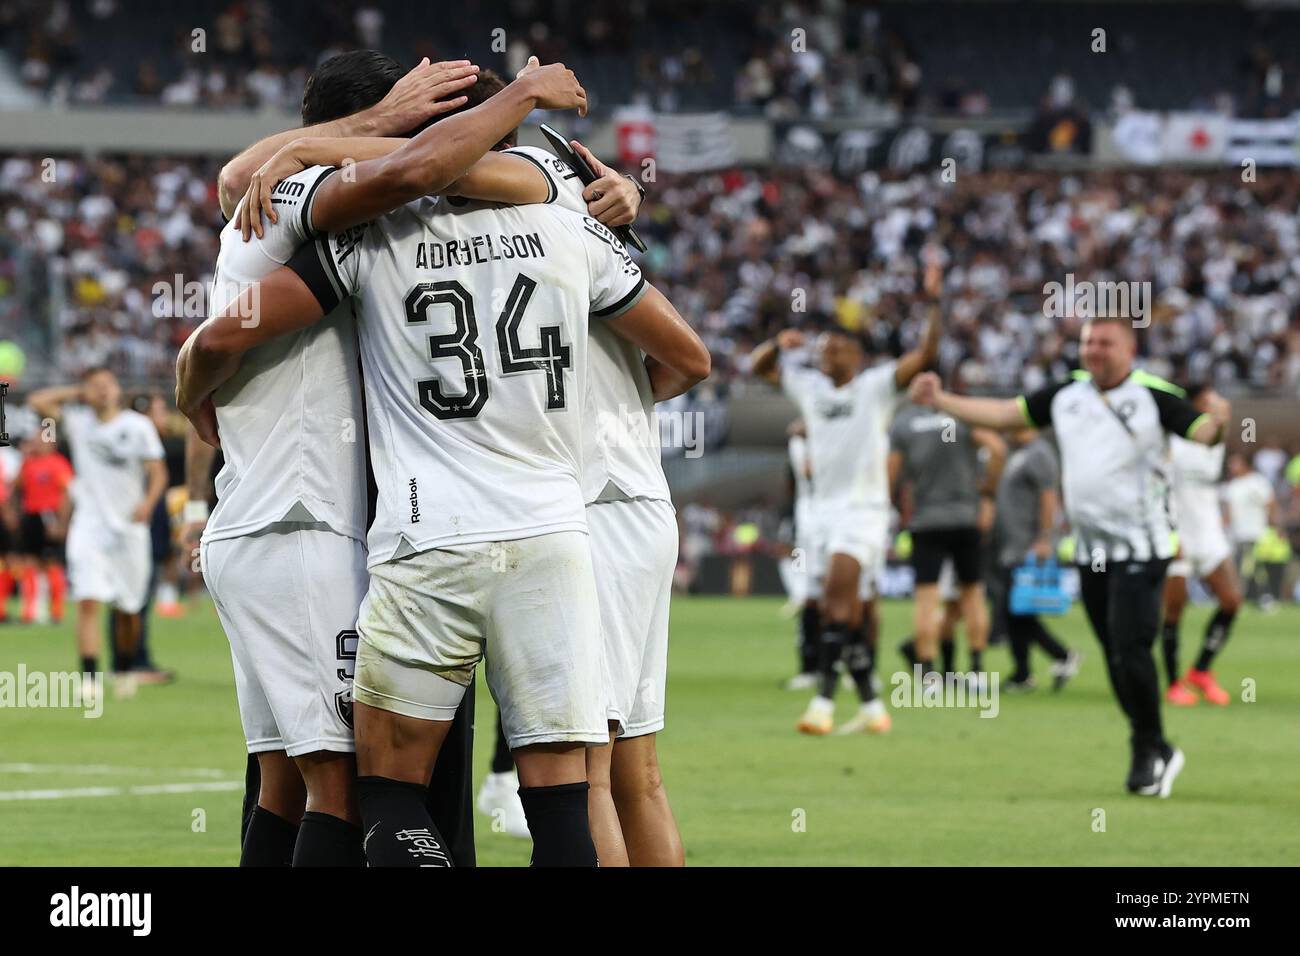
[(848, 151), (1150, 138), (677, 142)]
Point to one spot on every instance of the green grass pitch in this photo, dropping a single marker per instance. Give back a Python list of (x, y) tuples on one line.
[(157, 779)]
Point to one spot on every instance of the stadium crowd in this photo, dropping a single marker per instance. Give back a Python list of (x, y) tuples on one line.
[(779, 58), (747, 252)]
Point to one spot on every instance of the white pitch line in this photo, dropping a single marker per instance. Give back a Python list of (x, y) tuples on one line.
[(99, 768), (148, 790)]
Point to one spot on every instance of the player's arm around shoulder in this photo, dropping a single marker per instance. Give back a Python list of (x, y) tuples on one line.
[(49, 402), (676, 358), (279, 304)]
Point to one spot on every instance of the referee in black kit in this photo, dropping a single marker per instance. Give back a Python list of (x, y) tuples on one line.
[(1110, 422)]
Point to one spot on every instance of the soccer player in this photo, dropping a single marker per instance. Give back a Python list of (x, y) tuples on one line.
[(633, 530), (1111, 423), (1203, 552), (952, 510), (1252, 510), (1027, 502), (847, 410), (116, 453), (476, 441), (42, 492), (292, 509)]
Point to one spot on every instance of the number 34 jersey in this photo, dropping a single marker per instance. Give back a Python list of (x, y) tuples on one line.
[(473, 323)]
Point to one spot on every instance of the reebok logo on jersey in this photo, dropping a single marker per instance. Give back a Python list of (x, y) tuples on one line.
[(415, 502)]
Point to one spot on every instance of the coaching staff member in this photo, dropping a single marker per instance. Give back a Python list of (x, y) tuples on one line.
[(1111, 421)]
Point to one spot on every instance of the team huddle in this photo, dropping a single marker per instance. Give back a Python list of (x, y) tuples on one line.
[(495, 320)]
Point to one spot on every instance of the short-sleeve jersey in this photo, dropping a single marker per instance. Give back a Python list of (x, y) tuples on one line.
[(848, 433), (473, 321), (1115, 461), (621, 457), (941, 463), (110, 460), (290, 419)]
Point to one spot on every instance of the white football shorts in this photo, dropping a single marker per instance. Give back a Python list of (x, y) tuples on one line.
[(527, 607), (862, 534), (109, 566), (288, 599), (1203, 546), (634, 550)]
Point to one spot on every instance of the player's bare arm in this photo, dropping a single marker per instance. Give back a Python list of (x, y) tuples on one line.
[(765, 360), (442, 154), (995, 450), (1047, 510), (612, 200), (677, 359), (199, 456), (49, 402), (427, 91), (156, 473), (212, 353), (927, 353), (999, 413), (1213, 426)]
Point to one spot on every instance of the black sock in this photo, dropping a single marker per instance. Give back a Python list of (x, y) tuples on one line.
[(976, 660), (398, 828), (948, 650), (858, 659), (834, 639), (269, 840), (1216, 635), (1169, 649), (89, 665), (557, 819), (502, 760), (325, 840), (810, 628), (927, 667), (908, 650)]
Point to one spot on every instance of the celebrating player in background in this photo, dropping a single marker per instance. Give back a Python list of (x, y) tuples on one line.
[(116, 453), (1252, 512), (1203, 552), (847, 411), (952, 511), (1027, 503), (1111, 422)]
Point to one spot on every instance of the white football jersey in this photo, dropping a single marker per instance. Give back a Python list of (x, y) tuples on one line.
[(848, 433), (109, 460), (620, 452), (1196, 472), (290, 419), (473, 322)]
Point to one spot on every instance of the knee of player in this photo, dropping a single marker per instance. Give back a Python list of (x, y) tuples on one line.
[(1231, 600)]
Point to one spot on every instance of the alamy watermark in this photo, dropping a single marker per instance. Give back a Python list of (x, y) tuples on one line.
[(1098, 300), (57, 689), (634, 427), (977, 690)]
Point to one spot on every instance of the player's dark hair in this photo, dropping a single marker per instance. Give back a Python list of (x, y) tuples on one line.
[(94, 370), (489, 84), (347, 84)]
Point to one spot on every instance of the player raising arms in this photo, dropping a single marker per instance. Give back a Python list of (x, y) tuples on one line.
[(847, 411), (292, 510), (479, 539), (116, 453), (1203, 552)]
